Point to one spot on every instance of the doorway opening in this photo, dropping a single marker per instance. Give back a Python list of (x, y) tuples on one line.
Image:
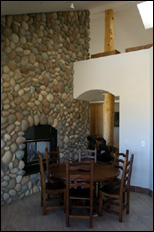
[(96, 113)]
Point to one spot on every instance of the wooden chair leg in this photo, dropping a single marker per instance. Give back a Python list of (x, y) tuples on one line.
[(44, 204), (96, 187), (108, 203), (91, 214), (41, 201), (127, 202), (41, 197), (100, 205), (124, 197), (91, 218), (120, 210), (67, 212), (64, 202)]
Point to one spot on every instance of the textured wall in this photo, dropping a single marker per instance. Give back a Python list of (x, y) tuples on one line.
[(119, 74), (37, 55)]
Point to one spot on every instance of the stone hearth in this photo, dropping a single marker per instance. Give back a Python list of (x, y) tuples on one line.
[(37, 55)]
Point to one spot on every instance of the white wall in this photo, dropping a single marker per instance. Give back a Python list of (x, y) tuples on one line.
[(151, 120), (125, 75), (128, 31)]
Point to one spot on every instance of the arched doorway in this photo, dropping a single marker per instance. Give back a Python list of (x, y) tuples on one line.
[(96, 113)]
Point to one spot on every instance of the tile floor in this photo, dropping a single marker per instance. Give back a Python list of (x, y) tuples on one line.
[(27, 215)]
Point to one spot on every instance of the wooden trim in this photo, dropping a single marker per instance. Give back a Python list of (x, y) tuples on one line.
[(141, 190), (113, 52), (138, 48)]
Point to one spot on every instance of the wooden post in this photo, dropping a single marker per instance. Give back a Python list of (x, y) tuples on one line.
[(109, 119), (96, 119), (109, 32)]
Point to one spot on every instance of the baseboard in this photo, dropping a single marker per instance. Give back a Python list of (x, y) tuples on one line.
[(141, 190)]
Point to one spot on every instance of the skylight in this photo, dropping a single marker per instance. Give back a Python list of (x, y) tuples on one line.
[(146, 12)]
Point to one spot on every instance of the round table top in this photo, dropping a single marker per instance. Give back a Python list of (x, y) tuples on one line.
[(102, 172)]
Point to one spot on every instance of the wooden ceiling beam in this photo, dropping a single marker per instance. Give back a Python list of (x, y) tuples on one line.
[(109, 31)]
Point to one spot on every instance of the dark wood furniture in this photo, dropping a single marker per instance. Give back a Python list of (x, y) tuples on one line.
[(115, 192), (79, 189), (52, 160), (88, 154), (119, 159), (102, 172), (57, 190)]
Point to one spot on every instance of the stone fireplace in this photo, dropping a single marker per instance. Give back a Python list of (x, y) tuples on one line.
[(37, 55)]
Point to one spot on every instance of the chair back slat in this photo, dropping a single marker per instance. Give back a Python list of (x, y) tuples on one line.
[(118, 161), (52, 160), (84, 185), (129, 171), (126, 174), (79, 171), (88, 154), (79, 176)]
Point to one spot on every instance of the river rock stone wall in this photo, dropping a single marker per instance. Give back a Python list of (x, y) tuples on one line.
[(37, 55)]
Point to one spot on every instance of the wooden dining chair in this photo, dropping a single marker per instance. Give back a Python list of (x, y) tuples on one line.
[(115, 192), (88, 154), (52, 160), (57, 190), (79, 189), (119, 160)]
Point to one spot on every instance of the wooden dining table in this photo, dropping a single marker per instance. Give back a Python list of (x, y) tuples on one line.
[(102, 172)]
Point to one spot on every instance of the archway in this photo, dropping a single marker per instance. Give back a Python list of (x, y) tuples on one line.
[(95, 97)]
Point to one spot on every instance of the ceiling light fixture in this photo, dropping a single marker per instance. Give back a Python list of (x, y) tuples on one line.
[(72, 6)]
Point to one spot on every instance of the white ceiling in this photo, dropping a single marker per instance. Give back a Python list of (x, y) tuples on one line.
[(95, 7)]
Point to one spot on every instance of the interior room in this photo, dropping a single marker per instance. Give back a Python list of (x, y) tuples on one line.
[(65, 66)]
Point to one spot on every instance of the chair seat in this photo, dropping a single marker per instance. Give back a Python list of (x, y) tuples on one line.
[(55, 179), (55, 186), (79, 193), (117, 181), (112, 188)]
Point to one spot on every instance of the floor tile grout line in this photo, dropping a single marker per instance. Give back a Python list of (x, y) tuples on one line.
[(141, 219), (36, 200)]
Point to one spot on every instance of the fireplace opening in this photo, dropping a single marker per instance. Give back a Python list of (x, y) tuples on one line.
[(37, 139)]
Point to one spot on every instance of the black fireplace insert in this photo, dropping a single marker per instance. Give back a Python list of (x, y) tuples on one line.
[(37, 139)]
